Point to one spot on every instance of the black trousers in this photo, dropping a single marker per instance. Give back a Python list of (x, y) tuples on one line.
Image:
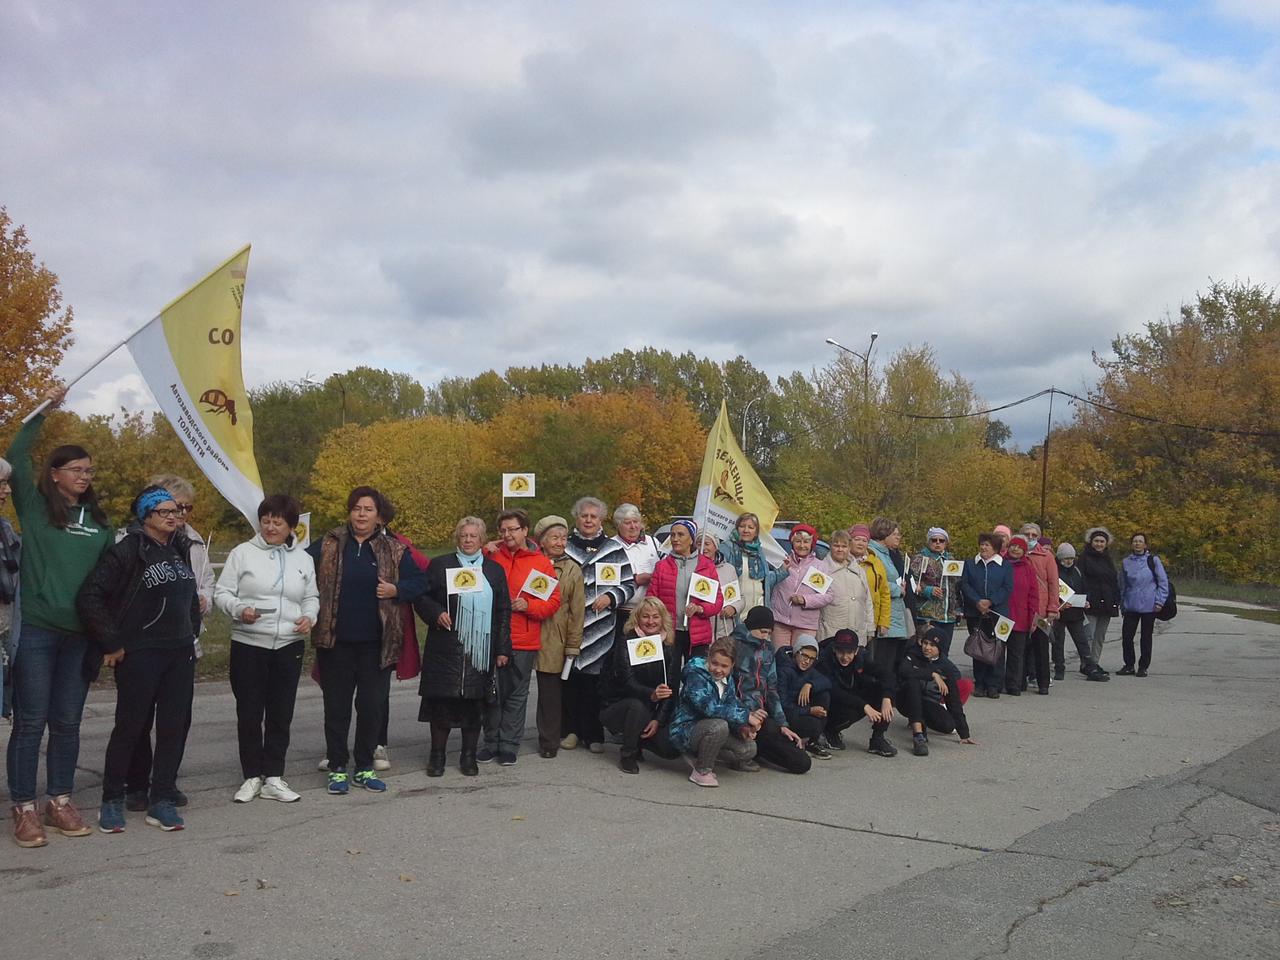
[(155, 683), (924, 710), (265, 684), (1015, 672), (1130, 628), (846, 710), (1038, 658), (773, 747), (629, 717), (1079, 630), (580, 706), (138, 780), (887, 652), (347, 670)]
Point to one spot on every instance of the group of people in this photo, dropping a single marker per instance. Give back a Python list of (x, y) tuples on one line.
[(628, 639)]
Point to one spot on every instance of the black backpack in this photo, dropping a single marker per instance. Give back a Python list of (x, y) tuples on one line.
[(1170, 608)]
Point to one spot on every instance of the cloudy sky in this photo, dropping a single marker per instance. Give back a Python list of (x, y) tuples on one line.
[(444, 188)]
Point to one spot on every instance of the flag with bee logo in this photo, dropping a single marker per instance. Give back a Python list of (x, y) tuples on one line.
[(644, 650), (729, 487), (190, 357)]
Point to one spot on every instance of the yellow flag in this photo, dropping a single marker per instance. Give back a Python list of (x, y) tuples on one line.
[(190, 357), (729, 486)]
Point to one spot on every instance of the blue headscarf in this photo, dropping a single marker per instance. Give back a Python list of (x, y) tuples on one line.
[(147, 502)]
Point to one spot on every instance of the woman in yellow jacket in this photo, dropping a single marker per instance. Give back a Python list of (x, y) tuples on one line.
[(877, 577)]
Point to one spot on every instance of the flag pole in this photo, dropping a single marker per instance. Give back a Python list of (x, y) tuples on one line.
[(74, 380)]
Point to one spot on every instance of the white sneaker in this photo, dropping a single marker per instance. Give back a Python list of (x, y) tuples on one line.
[(323, 765), (276, 789), (248, 790), (381, 759)]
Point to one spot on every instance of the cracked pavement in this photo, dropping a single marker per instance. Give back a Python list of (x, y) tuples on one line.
[(1135, 819)]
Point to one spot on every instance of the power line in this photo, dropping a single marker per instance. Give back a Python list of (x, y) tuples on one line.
[(1101, 406)]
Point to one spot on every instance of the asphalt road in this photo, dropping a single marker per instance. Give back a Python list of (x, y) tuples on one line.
[(1138, 818)]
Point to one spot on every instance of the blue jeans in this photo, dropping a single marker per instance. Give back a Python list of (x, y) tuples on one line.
[(49, 689)]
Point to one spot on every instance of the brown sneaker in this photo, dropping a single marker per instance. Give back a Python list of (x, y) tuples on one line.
[(61, 814), (27, 831)]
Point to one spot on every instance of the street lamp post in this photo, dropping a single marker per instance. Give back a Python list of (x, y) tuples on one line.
[(866, 381), (744, 423)]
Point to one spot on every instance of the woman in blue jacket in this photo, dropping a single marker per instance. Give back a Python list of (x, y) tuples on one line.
[(1144, 588), (987, 584)]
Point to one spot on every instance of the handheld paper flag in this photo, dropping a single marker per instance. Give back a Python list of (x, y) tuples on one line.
[(703, 588), (539, 584), (817, 581), (952, 568), (518, 485), (189, 356), (644, 650), (1004, 627), (464, 580), (731, 592)]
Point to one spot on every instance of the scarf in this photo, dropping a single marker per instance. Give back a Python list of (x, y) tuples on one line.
[(756, 566), (685, 568), (475, 615)]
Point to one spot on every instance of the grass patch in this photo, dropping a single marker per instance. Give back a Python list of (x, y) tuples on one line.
[(1264, 616), (1267, 595)]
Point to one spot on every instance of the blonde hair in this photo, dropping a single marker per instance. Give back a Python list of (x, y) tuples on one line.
[(653, 603), (469, 522), (175, 485)]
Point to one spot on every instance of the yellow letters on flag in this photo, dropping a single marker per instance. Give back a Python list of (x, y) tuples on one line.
[(190, 357)]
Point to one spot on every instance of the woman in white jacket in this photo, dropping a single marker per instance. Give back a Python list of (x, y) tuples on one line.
[(268, 589), (853, 607)]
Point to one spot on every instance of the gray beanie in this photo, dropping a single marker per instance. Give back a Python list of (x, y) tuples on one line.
[(1066, 550), (803, 640)]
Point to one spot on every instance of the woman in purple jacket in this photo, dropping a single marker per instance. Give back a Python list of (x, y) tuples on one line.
[(1144, 588)]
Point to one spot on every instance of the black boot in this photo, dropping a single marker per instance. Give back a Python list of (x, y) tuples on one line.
[(435, 763), (627, 763), (467, 762)]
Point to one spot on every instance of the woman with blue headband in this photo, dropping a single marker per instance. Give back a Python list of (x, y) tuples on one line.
[(141, 607)]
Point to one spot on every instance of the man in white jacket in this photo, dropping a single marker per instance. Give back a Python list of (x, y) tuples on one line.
[(268, 589)]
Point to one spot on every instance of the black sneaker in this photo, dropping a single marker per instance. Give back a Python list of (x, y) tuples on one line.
[(485, 755), (1125, 671), (882, 747), (835, 740), (818, 751), (137, 801), (628, 764), (506, 759), (1098, 675), (1141, 673), (993, 693), (919, 745), (1059, 673)]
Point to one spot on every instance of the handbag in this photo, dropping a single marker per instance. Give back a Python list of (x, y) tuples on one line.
[(981, 647), (1170, 608)]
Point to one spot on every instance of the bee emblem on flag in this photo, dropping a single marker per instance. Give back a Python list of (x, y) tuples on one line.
[(646, 649), (219, 402), (539, 584), (702, 588), (464, 578)]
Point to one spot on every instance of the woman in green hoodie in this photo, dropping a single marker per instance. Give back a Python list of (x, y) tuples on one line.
[(64, 532)]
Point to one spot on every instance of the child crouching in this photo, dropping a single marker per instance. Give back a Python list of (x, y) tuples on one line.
[(710, 723)]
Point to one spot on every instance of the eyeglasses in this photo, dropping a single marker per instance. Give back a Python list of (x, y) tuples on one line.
[(167, 513), (89, 472), (937, 539), (804, 656), (510, 529), (186, 507)]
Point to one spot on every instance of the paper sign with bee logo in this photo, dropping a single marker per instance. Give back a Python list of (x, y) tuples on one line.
[(703, 588), (1004, 627), (952, 568), (1064, 590), (644, 650), (539, 584), (609, 574), (817, 581), (464, 580), (732, 592), (518, 485)]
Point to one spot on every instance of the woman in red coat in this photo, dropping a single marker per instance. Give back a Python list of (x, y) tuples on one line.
[(1025, 604), (670, 584)]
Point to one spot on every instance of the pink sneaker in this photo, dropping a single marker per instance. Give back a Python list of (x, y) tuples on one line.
[(707, 779)]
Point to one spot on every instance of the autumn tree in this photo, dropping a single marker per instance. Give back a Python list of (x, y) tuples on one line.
[(33, 333)]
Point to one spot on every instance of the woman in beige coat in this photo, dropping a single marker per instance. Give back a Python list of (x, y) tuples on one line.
[(561, 635), (853, 607)]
